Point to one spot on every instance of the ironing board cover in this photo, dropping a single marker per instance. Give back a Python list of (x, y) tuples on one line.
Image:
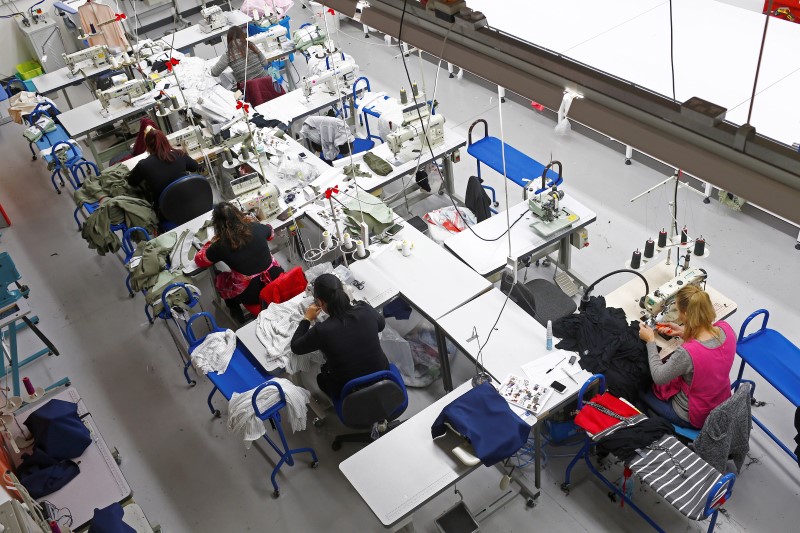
[(776, 358), (520, 168)]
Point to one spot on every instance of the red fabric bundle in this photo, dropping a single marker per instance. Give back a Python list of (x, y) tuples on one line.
[(284, 287), (593, 421), (261, 90)]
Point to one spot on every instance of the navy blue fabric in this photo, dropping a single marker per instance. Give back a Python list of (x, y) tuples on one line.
[(109, 520), (398, 309), (43, 475), (58, 431), (485, 418)]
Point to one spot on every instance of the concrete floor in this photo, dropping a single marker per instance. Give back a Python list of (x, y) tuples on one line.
[(189, 474)]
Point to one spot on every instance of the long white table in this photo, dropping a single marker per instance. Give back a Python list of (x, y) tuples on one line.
[(191, 36), (60, 79), (292, 107), (488, 258)]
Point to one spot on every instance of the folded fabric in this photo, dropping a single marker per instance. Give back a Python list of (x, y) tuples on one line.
[(43, 475), (275, 327), (242, 419), (605, 414), (624, 442), (58, 431), (397, 308), (285, 287), (109, 520), (379, 166), (484, 418), (215, 352), (149, 259)]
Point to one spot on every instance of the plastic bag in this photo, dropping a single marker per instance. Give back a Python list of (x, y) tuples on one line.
[(427, 367), (398, 351)]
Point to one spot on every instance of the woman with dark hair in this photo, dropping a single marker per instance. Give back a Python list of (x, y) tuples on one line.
[(241, 243), (164, 165), (244, 58), (348, 338)]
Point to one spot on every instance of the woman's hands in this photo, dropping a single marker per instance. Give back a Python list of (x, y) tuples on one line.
[(646, 333), (670, 328), (312, 312)]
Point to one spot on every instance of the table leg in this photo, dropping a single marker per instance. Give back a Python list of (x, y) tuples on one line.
[(448, 181), (441, 345), (537, 439), (66, 96), (12, 347)]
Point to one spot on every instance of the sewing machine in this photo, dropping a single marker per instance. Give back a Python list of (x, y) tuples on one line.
[(415, 132), (264, 200), (270, 39), (307, 37), (96, 56), (344, 73), (660, 304), (213, 19), (550, 215), (131, 90), (188, 139)]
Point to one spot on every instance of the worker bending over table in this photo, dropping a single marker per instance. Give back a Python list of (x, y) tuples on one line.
[(245, 59), (695, 379), (164, 165), (348, 338), (241, 242)]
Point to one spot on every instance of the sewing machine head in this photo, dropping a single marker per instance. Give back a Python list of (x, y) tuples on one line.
[(130, 90), (307, 37), (95, 56), (269, 40), (429, 131), (660, 304), (213, 19), (264, 201), (546, 205), (187, 139), (342, 77)]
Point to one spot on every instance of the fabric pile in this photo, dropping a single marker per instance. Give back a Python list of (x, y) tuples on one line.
[(328, 132), (608, 345), (726, 431), (242, 419), (118, 210), (377, 164), (111, 182), (215, 352), (110, 520), (378, 216), (275, 327)]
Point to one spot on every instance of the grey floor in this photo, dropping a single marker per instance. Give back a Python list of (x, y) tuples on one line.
[(189, 474)]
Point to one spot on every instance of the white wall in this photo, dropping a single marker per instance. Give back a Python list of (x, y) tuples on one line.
[(14, 49), (752, 5)]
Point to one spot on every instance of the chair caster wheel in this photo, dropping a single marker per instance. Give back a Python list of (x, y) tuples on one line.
[(628, 162), (318, 422), (565, 488), (217, 413), (495, 204), (276, 494), (797, 246), (336, 445), (117, 457), (530, 503), (59, 192), (192, 383), (33, 158), (706, 200), (314, 464)]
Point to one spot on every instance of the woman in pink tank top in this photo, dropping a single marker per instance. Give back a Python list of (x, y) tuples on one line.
[(696, 377)]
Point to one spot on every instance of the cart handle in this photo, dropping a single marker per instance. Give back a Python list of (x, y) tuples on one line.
[(588, 383), (751, 317), (202, 314), (485, 130), (277, 407)]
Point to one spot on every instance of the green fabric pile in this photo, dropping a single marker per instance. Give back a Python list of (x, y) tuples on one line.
[(118, 210), (112, 182), (149, 259), (377, 165), (354, 171), (376, 214), (731, 200)]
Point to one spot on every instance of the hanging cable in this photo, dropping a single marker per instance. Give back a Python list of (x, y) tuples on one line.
[(672, 50), (758, 65)]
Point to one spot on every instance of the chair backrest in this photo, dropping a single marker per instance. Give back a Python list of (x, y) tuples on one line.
[(186, 198), (519, 294), (374, 398)]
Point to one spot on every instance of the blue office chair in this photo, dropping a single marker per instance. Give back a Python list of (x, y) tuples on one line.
[(369, 400), (184, 199)]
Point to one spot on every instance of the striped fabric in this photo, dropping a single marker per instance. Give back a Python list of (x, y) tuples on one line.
[(678, 475)]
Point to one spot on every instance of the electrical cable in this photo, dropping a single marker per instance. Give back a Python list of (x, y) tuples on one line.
[(758, 65), (672, 50), (589, 289)]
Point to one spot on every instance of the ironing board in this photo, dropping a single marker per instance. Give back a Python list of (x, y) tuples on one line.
[(697, 494), (776, 359)]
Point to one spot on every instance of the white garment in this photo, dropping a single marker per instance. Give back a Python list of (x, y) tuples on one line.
[(216, 351), (242, 419), (275, 327), (328, 132), (216, 104)]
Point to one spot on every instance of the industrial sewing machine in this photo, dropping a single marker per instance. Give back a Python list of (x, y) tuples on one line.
[(342, 77), (188, 139), (213, 19), (253, 195), (660, 304), (419, 126), (545, 204), (130, 90), (270, 40), (95, 56)]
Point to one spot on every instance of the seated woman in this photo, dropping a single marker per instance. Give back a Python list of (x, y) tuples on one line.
[(164, 165), (695, 379), (241, 243), (241, 51), (348, 339)]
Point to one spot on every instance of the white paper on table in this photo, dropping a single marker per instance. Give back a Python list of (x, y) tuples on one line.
[(536, 369)]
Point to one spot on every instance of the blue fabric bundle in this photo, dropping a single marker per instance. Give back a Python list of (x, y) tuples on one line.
[(109, 520), (57, 430)]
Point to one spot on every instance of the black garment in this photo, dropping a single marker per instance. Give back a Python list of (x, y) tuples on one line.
[(351, 346), (251, 258), (797, 438), (42, 475), (607, 345), (624, 442), (156, 174), (476, 199)]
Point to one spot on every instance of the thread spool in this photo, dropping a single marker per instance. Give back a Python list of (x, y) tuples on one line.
[(649, 248), (700, 246), (348, 242), (662, 238), (684, 235), (406, 248), (360, 250), (414, 89), (159, 108), (91, 27), (54, 527), (175, 103), (228, 155), (327, 240), (29, 388), (403, 96), (636, 259), (244, 153)]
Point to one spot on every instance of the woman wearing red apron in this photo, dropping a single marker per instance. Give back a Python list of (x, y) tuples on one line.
[(696, 377)]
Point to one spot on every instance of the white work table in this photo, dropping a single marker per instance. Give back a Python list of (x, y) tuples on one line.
[(488, 258), (293, 106), (193, 35), (61, 79)]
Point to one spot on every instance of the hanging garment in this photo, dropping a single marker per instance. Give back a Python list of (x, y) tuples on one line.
[(103, 19), (215, 352), (476, 199), (726, 432), (484, 418), (118, 210), (260, 90), (242, 419), (275, 327), (42, 475), (328, 132), (607, 345), (109, 520)]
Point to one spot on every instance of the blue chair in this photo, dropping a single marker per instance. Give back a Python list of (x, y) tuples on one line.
[(128, 248), (166, 314), (244, 374), (366, 112), (369, 400), (185, 199), (85, 169), (62, 165)]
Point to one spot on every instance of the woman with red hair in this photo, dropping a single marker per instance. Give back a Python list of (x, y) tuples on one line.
[(164, 165)]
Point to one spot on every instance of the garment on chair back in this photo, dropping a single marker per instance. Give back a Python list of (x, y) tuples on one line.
[(485, 419), (476, 199), (328, 132), (109, 520), (726, 432), (111, 182), (58, 431), (260, 90), (285, 287), (120, 209)]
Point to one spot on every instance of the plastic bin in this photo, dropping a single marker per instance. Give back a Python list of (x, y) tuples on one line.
[(29, 85), (28, 70)]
